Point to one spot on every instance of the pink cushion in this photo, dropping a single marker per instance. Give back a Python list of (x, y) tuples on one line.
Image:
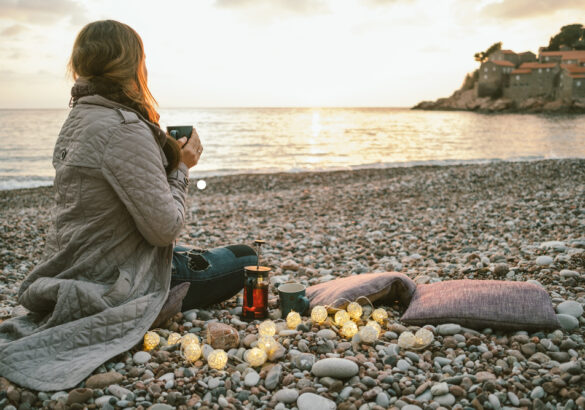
[(482, 303), (384, 288)]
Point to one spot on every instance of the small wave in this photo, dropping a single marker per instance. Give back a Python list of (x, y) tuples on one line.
[(24, 182)]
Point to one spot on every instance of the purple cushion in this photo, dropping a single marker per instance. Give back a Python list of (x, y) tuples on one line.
[(478, 304), (172, 305), (384, 288)]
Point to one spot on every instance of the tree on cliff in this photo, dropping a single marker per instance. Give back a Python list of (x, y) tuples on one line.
[(483, 56), (572, 35)]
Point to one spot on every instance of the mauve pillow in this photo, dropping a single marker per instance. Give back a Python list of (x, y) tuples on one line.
[(172, 305), (383, 287), (478, 304)]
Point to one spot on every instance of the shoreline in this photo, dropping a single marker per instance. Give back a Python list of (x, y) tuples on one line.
[(513, 221), (373, 166)]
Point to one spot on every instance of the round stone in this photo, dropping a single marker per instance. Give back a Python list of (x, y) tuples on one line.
[(311, 401), (494, 401), (286, 395), (326, 334), (544, 260), (141, 357), (410, 407), (440, 389), (445, 400), (448, 329), (537, 393), (570, 307), (382, 400), (566, 273), (252, 378), (568, 322), (336, 368)]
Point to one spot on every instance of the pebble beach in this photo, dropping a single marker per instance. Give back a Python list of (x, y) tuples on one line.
[(514, 221)]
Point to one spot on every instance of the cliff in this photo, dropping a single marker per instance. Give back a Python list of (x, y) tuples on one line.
[(465, 99)]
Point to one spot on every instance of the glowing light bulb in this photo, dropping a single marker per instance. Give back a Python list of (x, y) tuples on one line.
[(349, 329), (368, 334), (266, 343), (293, 319), (151, 340), (341, 317), (192, 352), (355, 310), (173, 339), (406, 340), (188, 339), (217, 359), (319, 314), (380, 315), (423, 337), (255, 356), (267, 328), (376, 326)]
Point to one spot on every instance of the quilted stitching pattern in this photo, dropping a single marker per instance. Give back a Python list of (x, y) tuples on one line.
[(116, 211)]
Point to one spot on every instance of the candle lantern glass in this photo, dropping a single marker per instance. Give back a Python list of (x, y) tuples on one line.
[(255, 292)]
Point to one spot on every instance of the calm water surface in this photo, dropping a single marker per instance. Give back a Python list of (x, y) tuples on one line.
[(297, 139)]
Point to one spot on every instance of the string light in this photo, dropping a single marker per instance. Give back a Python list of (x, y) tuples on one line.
[(173, 339), (266, 343), (151, 340), (341, 316), (376, 326), (192, 352), (380, 315), (319, 314), (188, 339), (406, 340), (349, 329), (368, 334), (267, 328), (423, 337), (255, 356), (293, 319), (355, 310), (217, 359)]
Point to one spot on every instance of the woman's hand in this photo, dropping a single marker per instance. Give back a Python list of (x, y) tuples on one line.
[(190, 150)]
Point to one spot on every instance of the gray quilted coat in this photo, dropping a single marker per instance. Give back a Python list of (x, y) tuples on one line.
[(107, 268)]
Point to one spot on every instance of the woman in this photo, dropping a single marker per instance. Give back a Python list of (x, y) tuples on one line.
[(120, 189)]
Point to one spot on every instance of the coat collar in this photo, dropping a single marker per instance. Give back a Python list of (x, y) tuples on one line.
[(96, 99)]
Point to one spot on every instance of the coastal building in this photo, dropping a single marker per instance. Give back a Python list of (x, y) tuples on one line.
[(519, 76), (563, 57), (571, 82), (515, 58), (493, 76)]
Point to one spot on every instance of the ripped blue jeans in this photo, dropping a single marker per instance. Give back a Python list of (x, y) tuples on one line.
[(215, 275)]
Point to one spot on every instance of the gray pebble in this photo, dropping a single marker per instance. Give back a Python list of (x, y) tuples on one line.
[(252, 378), (568, 322), (448, 329), (570, 307)]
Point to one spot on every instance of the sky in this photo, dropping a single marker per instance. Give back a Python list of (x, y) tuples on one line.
[(283, 53)]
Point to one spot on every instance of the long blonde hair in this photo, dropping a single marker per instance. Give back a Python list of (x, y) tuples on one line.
[(110, 51)]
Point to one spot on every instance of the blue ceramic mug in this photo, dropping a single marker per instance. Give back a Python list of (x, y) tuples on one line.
[(292, 297)]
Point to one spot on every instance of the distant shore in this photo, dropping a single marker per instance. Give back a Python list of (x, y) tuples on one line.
[(467, 100)]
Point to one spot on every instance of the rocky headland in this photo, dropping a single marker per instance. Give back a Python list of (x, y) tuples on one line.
[(467, 100)]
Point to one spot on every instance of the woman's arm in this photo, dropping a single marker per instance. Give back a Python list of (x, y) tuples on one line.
[(133, 166)]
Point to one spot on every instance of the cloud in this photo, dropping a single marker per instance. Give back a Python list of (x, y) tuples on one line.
[(519, 9), (42, 12), (13, 30), (291, 6)]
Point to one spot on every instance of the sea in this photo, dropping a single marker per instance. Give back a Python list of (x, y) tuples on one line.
[(270, 140)]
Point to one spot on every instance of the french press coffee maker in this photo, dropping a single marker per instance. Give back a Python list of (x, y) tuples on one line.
[(256, 289)]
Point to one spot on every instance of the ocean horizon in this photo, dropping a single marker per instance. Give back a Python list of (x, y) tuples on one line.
[(241, 140)]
